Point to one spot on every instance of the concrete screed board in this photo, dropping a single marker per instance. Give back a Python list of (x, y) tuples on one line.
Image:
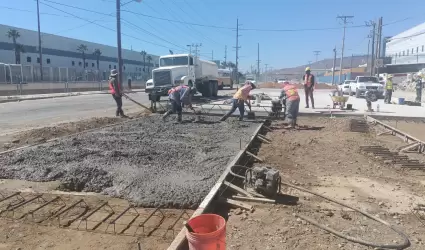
[(146, 161)]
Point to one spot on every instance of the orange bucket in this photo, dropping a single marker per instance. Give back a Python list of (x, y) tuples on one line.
[(209, 232)]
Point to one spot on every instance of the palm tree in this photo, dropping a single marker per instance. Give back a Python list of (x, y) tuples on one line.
[(143, 53), (82, 49), (149, 58), (19, 48), (97, 53)]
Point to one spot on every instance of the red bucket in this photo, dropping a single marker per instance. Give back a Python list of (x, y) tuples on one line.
[(209, 232)]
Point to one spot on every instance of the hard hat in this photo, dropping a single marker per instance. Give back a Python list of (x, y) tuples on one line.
[(307, 69), (389, 76)]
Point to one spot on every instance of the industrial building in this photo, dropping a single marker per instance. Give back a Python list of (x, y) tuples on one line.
[(62, 61), (407, 47)]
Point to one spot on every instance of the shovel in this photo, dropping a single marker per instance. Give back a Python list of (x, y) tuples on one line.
[(251, 114), (138, 103), (197, 115)]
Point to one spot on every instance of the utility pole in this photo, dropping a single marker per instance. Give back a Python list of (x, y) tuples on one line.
[(316, 53), (212, 55), (196, 45), (333, 67), (225, 54), (190, 48), (372, 60), (119, 42), (40, 54), (378, 42), (258, 61), (368, 50), (237, 52), (344, 21), (265, 72), (351, 65)]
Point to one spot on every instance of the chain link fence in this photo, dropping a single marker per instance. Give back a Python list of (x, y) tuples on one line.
[(17, 79)]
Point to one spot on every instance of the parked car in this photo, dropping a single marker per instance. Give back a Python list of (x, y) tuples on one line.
[(364, 83), (344, 87)]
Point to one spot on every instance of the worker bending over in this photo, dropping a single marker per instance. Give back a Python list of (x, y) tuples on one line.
[(388, 89), (239, 99), (115, 89), (179, 96), (308, 81), (290, 95)]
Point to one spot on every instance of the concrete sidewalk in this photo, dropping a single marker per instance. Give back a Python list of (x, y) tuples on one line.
[(323, 104)]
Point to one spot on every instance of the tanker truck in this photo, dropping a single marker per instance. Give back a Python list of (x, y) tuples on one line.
[(184, 69)]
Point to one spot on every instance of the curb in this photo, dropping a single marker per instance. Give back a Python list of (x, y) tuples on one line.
[(58, 95)]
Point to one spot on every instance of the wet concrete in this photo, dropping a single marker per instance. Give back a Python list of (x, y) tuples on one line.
[(147, 162)]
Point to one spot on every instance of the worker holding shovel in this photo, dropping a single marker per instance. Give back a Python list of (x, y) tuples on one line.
[(179, 96), (290, 94), (239, 100), (115, 89)]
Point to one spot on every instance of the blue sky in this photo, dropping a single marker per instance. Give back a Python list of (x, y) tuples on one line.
[(277, 49)]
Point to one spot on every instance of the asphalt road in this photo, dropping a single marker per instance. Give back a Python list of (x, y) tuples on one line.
[(25, 115)]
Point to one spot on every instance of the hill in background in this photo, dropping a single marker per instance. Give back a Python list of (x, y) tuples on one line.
[(348, 62)]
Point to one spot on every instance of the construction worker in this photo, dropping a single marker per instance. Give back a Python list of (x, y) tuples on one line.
[(178, 96), (240, 98), (115, 89), (419, 86), (388, 89), (290, 96), (308, 82)]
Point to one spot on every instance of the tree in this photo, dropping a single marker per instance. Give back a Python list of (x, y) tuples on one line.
[(19, 48), (149, 58), (97, 53), (143, 53), (82, 49), (224, 65)]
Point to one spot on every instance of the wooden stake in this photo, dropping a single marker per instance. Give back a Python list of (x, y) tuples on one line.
[(237, 189), (253, 155), (264, 200)]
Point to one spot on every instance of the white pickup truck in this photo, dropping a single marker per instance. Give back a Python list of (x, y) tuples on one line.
[(364, 83)]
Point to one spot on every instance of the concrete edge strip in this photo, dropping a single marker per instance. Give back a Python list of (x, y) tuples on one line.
[(181, 237), (70, 135), (398, 133)]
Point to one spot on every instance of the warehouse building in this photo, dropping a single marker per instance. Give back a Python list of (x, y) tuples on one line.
[(63, 60), (407, 47)]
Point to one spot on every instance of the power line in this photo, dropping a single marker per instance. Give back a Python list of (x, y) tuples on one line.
[(159, 45)]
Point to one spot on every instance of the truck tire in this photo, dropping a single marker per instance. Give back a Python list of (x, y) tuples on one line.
[(207, 89), (221, 86), (231, 84), (350, 93), (357, 93), (214, 85)]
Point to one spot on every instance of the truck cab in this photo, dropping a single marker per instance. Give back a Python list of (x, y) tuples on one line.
[(185, 69), (364, 83)]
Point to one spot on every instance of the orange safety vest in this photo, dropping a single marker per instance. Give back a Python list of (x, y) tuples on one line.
[(291, 92), (307, 80), (111, 87)]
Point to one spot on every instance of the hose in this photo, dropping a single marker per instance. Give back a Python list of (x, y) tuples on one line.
[(237, 175), (403, 245)]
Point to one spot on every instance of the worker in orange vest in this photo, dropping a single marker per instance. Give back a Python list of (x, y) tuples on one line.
[(308, 82), (240, 98), (115, 89), (291, 97)]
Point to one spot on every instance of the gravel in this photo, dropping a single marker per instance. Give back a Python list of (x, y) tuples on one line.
[(150, 163)]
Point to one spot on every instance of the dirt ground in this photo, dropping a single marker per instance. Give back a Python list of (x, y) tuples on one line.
[(26, 234), (413, 128), (328, 161)]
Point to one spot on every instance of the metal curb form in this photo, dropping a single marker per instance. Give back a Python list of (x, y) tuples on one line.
[(180, 239), (405, 136)]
